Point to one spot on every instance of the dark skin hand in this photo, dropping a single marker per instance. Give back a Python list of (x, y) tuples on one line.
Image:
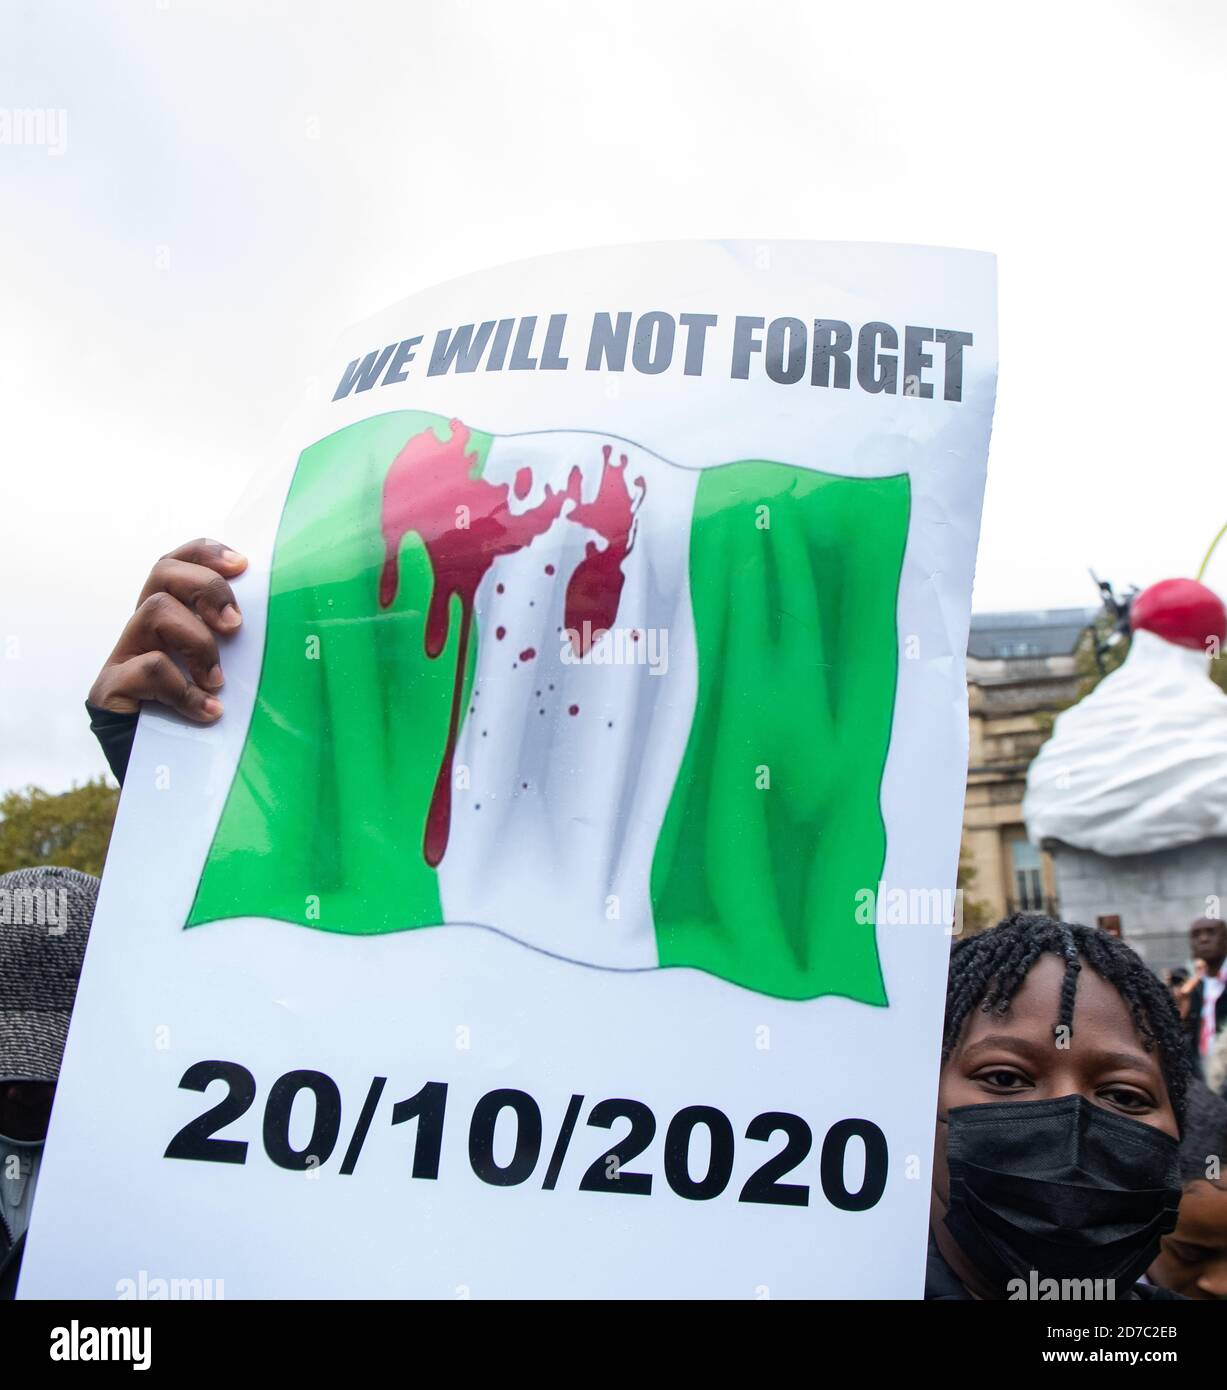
[(1014, 1057), (1193, 1259), (168, 653)]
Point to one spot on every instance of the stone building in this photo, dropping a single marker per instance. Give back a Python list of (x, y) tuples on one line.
[(1019, 666)]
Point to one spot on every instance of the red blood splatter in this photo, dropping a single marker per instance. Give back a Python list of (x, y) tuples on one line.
[(596, 585), (428, 484), (500, 633), (429, 489)]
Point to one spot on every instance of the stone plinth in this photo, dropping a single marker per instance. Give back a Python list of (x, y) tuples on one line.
[(1155, 895)]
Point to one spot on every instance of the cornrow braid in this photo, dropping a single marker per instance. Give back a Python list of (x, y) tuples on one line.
[(1203, 1136), (988, 970)]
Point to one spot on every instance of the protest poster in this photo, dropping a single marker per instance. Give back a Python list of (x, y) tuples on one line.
[(561, 906)]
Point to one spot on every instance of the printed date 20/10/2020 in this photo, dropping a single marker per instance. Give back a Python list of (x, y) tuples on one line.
[(611, 1171)]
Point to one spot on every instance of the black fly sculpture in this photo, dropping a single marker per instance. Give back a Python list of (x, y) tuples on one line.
[(1111, 626)]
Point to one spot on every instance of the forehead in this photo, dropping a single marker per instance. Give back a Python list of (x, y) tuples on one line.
[(1203, 1213), (1102, 1020)]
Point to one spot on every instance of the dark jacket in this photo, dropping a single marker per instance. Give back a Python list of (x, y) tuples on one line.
[(10, 1262), (116, 733)]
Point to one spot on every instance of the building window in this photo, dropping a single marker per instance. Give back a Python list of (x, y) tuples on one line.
[(1028, 877)]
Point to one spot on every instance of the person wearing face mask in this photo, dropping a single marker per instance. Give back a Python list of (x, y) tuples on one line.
[(1064, 1076), (45, 917)]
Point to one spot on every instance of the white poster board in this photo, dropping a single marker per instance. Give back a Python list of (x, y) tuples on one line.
[(659, 852)]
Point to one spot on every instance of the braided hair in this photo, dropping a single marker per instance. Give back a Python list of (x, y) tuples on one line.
[(1203, 1136), (988, 970)]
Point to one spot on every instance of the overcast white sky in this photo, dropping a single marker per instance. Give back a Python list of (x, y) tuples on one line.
[(241, 181)]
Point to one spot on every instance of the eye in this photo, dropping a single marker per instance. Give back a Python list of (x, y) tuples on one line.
[(1127, 1098), (1184, 1252), (1003, 1079)]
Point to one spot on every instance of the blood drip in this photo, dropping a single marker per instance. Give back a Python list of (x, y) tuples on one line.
[(429, 481), (595, 587)]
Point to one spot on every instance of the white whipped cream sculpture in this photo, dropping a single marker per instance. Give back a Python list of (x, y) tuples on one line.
[(1140, 764)]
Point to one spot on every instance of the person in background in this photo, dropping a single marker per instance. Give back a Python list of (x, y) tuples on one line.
[(1203, 1000), (1216, 1066), (45, 916), (1192, 1259), (1063, 1080)]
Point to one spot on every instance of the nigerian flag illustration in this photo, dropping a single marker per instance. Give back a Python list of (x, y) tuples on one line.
[(625, 712)]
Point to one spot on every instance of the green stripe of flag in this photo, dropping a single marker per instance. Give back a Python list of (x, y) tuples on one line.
[(335, 778), (775, 822)]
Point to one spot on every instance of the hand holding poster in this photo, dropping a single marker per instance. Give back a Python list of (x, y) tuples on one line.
[(562, 905)]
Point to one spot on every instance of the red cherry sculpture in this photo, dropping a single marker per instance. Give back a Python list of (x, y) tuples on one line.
[(1182, 611)]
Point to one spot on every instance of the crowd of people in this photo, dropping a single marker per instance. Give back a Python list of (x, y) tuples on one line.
[(1081, 1125)]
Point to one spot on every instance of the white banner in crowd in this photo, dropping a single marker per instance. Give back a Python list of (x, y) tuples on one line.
[(561, 906)]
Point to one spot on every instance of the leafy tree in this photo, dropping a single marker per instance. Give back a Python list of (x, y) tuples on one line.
[(976, 914), (70, 830)]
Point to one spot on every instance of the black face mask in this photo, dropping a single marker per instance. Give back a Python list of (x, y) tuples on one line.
[(1062, 1187)]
